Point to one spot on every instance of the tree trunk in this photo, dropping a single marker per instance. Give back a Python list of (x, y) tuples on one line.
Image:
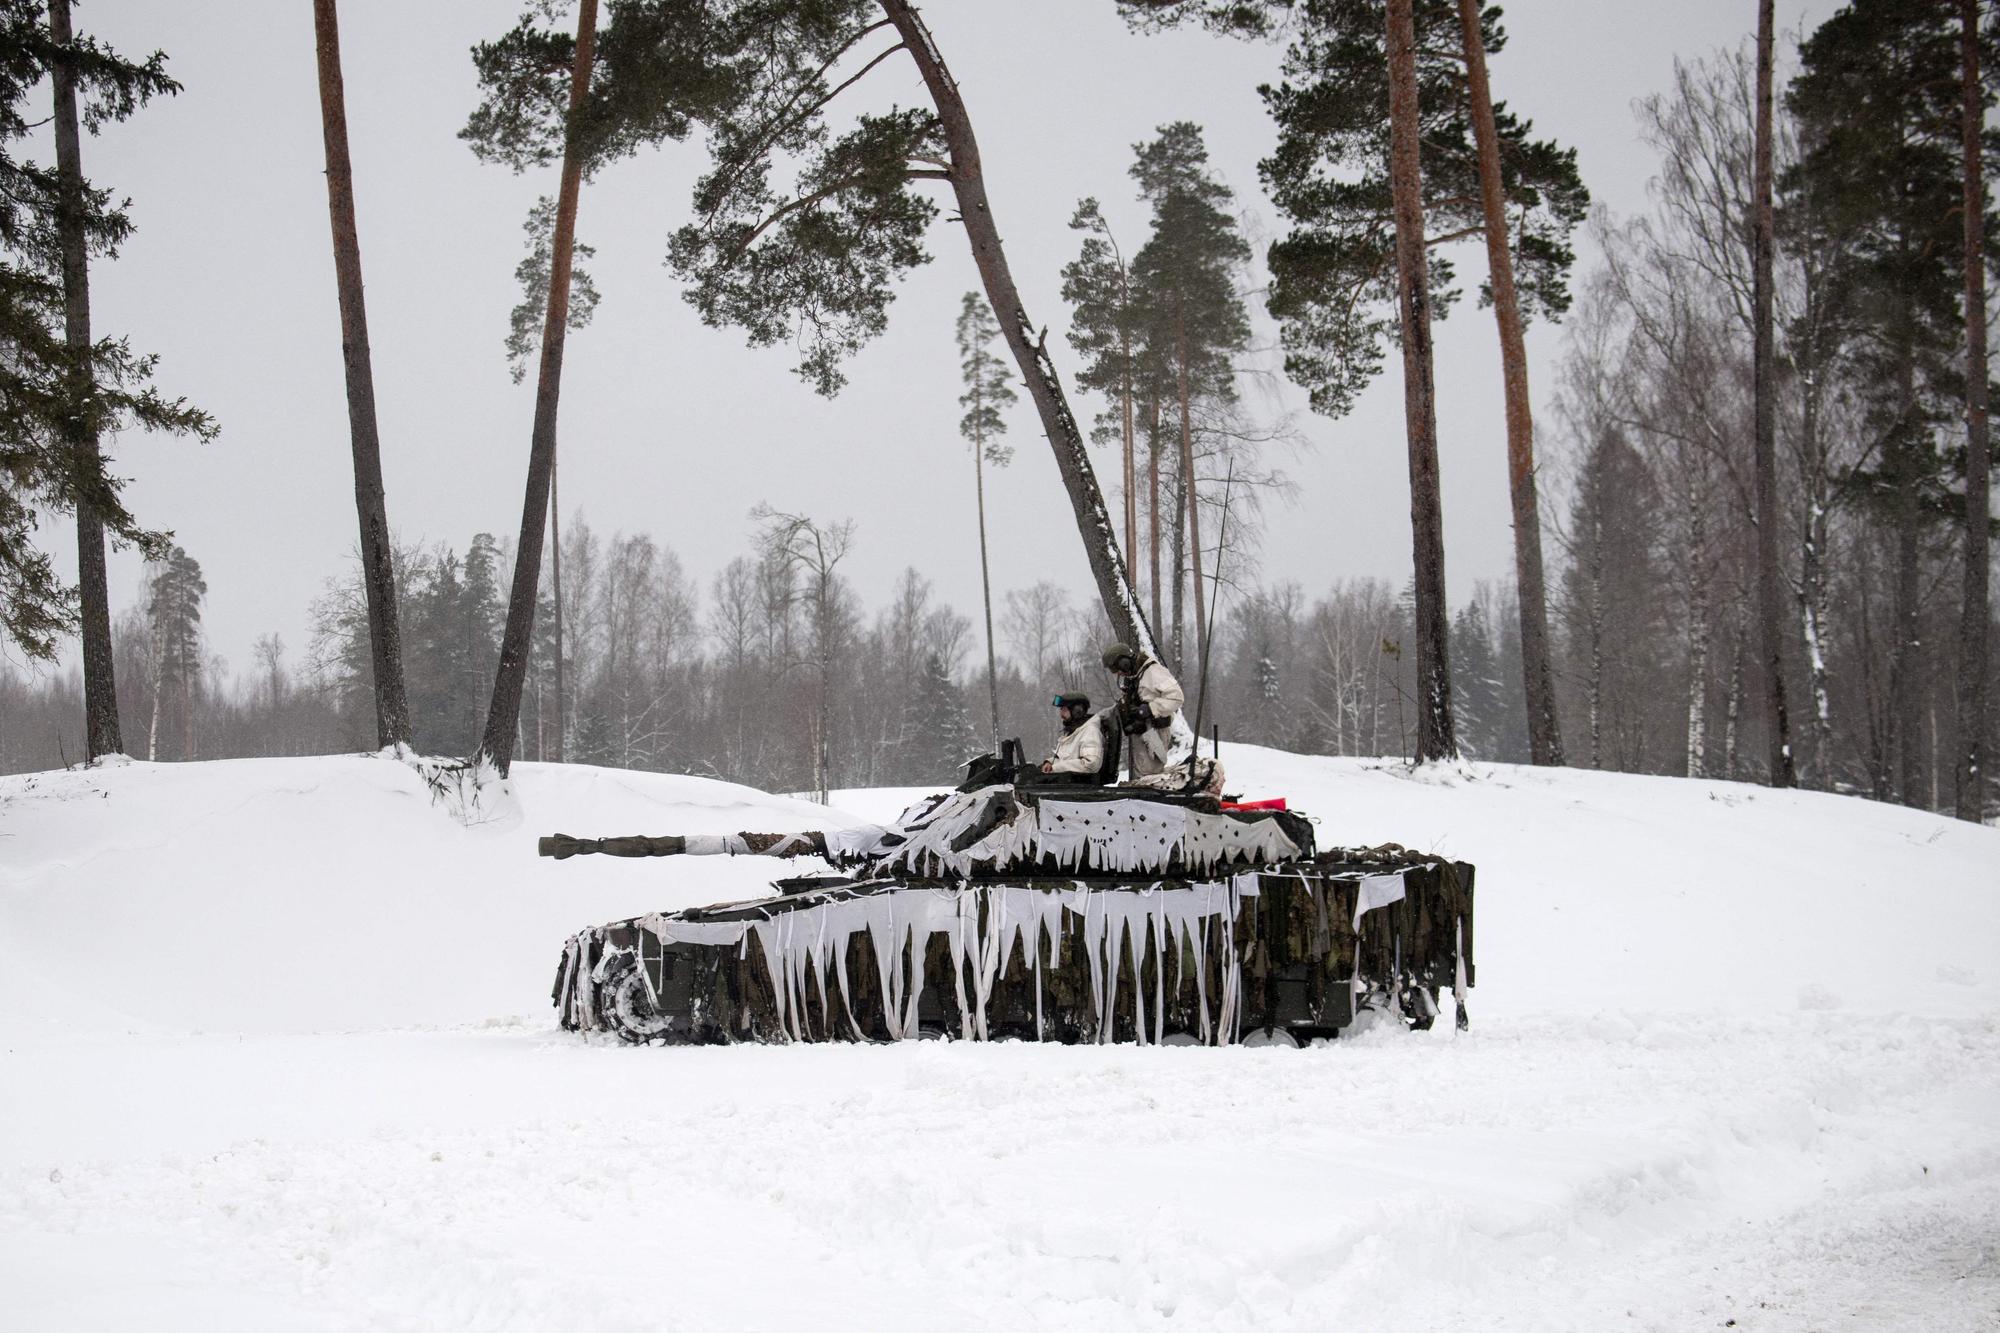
[(159, 681), (1435, 736), (1153, 506), (101, 731), (1177, 646), (378, 577), (1770, 591), (1193, 488), (1732, 711), (1698, 636), (1100, 543), (1812, 546), (555, 562), (986, 588), (1131, 461), (1537, 675), (497, 745), (1906, 651), (1594, 628), (1973, 625)]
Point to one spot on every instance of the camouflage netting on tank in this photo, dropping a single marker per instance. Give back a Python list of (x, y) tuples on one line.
[(966, 834), (1299, 947)]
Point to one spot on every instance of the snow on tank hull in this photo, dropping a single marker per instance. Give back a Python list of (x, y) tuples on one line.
[(1076, 916)]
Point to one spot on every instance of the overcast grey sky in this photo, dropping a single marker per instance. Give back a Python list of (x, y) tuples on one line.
[(676, 429)]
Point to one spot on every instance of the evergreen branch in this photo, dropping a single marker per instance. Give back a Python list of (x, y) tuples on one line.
[(784, 118), (817, 197)]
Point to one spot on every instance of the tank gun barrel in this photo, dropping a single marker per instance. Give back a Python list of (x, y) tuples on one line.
[(562, 846)]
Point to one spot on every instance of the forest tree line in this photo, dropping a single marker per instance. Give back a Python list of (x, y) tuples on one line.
[(774, 674), (1763, 485)]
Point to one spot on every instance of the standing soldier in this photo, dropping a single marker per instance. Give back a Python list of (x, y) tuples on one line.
[(1150, 713)]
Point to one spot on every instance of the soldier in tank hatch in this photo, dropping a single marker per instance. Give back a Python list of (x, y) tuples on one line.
[(1079, 752), (1162, 742), (1150, 711)]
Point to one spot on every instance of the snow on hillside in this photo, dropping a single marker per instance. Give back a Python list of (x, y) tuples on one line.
[(278, 1056)]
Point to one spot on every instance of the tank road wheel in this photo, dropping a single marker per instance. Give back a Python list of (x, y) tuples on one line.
[(630, 1011)]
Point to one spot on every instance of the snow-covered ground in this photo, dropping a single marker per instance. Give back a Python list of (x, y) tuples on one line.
[(277, 1055)]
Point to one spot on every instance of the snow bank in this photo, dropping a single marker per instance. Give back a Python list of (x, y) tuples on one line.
[(329, 894), (277, 1056)]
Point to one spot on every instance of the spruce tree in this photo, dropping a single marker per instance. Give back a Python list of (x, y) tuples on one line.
[(65, 389), (1878, 101), (174, 592), (1477, 705)]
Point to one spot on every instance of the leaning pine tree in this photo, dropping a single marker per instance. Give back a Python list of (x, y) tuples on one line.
[(986, 395), (800, 231)]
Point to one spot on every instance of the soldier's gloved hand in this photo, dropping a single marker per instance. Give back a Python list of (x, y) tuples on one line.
[(1132, 719)]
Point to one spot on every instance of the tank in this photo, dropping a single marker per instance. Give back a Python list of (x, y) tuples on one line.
[(1068, 914)]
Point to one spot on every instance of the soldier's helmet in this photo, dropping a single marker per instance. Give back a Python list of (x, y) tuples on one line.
[(1120, 659)]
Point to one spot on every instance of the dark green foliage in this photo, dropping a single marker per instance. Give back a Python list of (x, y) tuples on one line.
[(1476, 699), (1333, 277), (943, 737), (812, 266), (1105, 318), (1878, 181), (47, 400), (1241, 18), (799, 232), (1611, 607), (524, 324), (174, 593), (1186, 272)]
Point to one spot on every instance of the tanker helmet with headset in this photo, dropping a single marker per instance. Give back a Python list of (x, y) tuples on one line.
[(1074, 709)]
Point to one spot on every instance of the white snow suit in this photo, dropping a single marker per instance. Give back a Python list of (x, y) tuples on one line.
[(1079, 750), (1157, 749)]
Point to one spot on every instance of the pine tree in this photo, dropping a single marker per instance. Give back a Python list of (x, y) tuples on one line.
[(987, 395), (517, 144), (1193, 321), (1105, 322), (1366, 217), (392, 712), (800, 230)]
